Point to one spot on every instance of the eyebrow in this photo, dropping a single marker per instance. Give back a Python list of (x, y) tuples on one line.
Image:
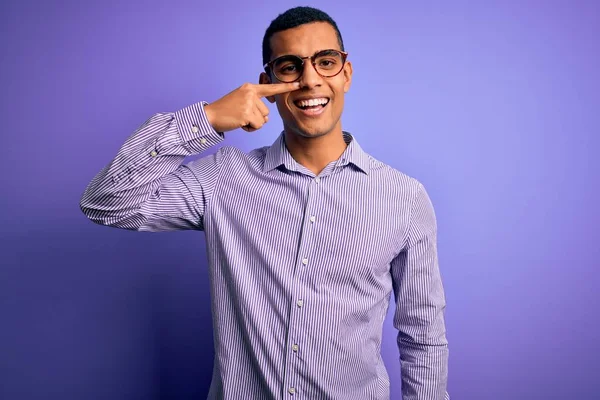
[(325, 51), (328, 52)]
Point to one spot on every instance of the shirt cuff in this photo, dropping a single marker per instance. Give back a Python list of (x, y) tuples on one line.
[(196, 133)]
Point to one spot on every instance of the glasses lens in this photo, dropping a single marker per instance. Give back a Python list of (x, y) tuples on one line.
[(287, 68), (329, 62)]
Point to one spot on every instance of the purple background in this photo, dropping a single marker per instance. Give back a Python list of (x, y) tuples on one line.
[(493, 105)]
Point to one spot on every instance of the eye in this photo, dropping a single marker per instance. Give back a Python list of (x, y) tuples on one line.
[(327, 63), (288, 68)]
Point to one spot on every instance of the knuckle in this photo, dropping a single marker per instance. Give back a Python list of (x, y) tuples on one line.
[(248, 89)]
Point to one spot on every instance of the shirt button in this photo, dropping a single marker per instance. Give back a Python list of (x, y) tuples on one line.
[(305, 261), (300, 303), (295, 348), (313, 218), (317, 179), (153, 153), (292, 390), (203, 141), (195, 129)]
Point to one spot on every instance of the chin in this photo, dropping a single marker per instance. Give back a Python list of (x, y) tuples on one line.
[(311, 129), (308, 132)]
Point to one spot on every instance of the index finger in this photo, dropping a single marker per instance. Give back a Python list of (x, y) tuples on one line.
[(271, 89)]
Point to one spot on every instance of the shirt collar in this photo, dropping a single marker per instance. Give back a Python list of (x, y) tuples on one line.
[(278, 154)]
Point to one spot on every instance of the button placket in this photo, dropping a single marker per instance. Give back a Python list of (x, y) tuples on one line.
[(297, 315)]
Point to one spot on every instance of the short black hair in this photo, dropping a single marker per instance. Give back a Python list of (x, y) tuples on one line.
[(292, 18)]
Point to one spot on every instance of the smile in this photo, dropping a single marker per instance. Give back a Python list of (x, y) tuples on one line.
[(312, 107)]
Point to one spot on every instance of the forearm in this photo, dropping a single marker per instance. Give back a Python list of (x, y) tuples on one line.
[(117, 194), (424, 369), (422, 340)]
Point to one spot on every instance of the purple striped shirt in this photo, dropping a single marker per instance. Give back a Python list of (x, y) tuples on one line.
[(302, 266)]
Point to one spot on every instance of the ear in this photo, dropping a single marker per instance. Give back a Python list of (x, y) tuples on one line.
[(264, 79), (347, 76)]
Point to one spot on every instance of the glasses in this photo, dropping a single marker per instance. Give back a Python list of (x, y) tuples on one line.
[(289, 68)]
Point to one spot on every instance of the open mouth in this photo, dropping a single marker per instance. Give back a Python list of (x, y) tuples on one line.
[(312, 106)]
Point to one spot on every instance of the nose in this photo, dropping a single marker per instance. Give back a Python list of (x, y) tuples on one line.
[(310, 78)]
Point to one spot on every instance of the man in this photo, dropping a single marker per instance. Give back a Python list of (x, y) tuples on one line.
[(307, 238)]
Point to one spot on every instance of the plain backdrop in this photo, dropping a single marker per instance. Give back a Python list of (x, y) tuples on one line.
[(493, 105)]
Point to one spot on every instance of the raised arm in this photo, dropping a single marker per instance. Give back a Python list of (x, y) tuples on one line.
[(146, 187), (420, 305)]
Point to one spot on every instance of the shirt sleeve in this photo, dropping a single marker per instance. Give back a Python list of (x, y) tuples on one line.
[(420, 306), (146, 187)]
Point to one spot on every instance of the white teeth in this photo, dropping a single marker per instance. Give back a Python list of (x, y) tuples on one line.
[(312, 102)]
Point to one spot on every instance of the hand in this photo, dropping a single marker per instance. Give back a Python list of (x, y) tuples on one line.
[(244, 107)]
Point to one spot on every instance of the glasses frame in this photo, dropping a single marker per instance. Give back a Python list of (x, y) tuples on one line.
[(269, 66)]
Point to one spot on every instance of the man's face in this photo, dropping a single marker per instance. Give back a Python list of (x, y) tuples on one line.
[(306, 40)]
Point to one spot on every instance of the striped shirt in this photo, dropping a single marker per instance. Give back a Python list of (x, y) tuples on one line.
[(302, 266)]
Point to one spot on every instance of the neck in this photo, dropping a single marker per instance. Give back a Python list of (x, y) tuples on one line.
[(315, 153)]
